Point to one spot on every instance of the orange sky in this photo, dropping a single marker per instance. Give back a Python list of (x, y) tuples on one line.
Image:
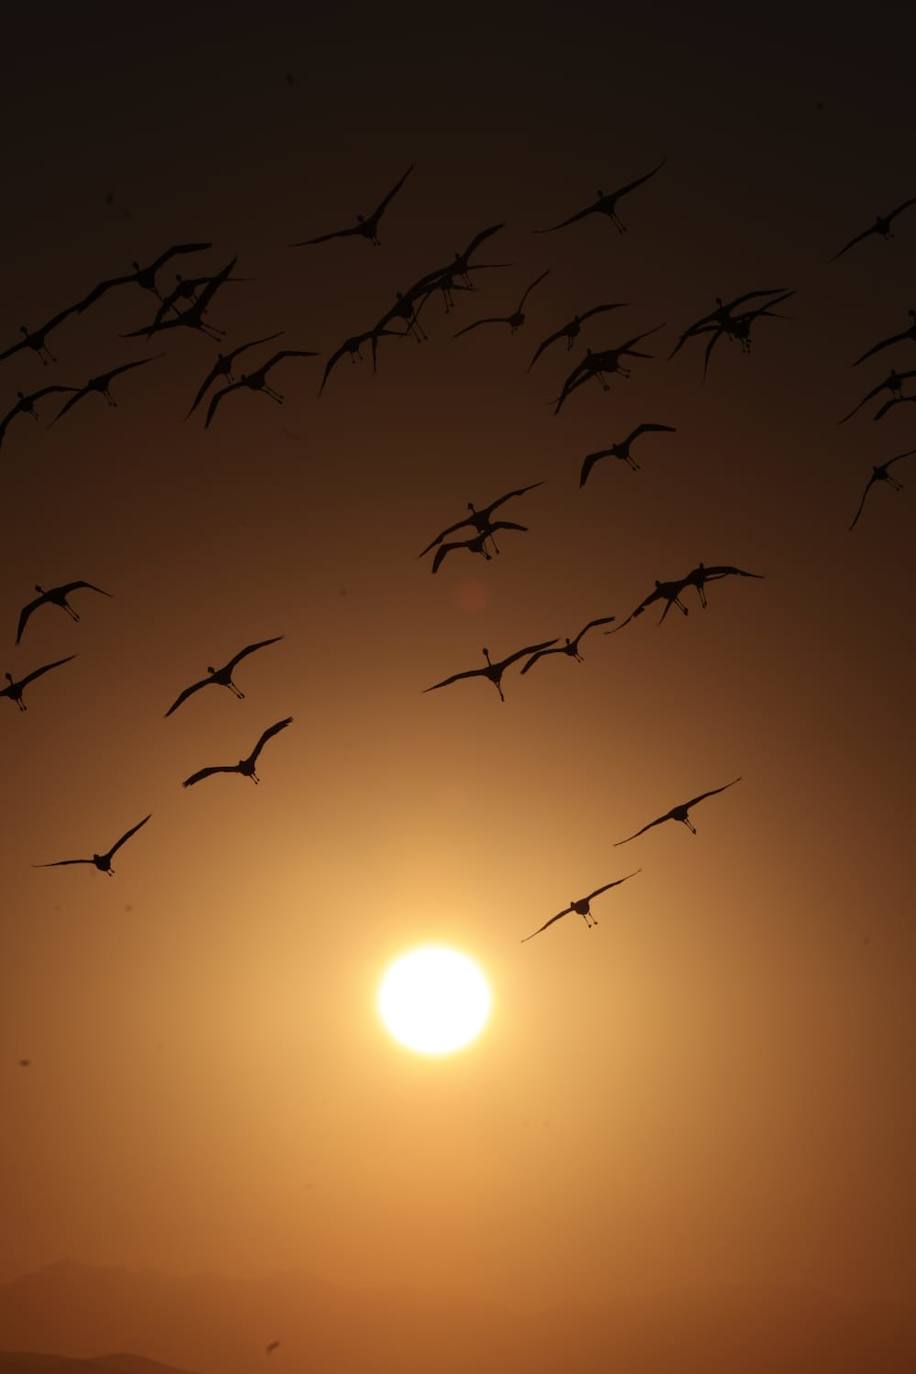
[(712, 1088)]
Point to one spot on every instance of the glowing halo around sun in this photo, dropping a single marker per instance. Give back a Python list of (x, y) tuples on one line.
[(434, 1000)]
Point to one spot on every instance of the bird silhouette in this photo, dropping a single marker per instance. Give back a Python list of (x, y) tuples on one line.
[(193, 317), (701, 574), (904, 334), (679, 813), (476, 544), (54, 596), (606, 204), (881, 226), (582, 906), (571, 646), (188, 289), (271, 1346), (15, 689), (723, 315), (738, 327), (460, 264), (571, 330), (889, 405), (223, 367), (479, 519), (669, 592), (141, 276), (222, 677), (621, 450), (366, 225), (101, 861), (881, 474), (351, 347), (26, 405), (101, 385), (36, 339), (493, 672), (246, 766), (602, 363), (514, 321), (257, 380), (893, 383)]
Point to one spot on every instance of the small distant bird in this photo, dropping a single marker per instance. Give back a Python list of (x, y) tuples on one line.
[(571, 330), (223, 676), (55, 596), (679, 813), (476, 544), (582, 906), (101, 861), (141, 276), (493, 672), (101, 385), (881, 226), (223, 367), (26, 405), (36, 339), (881, 474), (257, 380), (602, 363), (480, 519), (245, 767), (571, 646), (366, 225), (24, 1063), (514, 321), (893, 383), (700, 575), (15, 689), (621, 450), (606, 204), (271, 1346), (904, 334)]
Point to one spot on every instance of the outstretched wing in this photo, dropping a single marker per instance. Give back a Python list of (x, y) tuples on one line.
[(868, 486), (602, 620), (872, 229), (456, 677), (490, 319), (39, 672), (580, 214), (25, 613), (545, 343), (102, 287), (600, 309), (61, 863), (253, 343), (69, 587), (530, 288), (268, 734), (324, 238), (541, 653), (632, 185), (589, 462), (211, 409), (720, 570), (501, 500), (335, 357), (188, 691), (884, 343), (287, 353), (174, 251), (68, 405), (658, 820), (889, 405), (126, 836), (250, 649), (205, 773), (521, 653), (204, 388), (559, 916), (712, 793), (383, 204), (480, 238), (649, 429), (444, 550), (864, 401), (607, 886), (891, 461)]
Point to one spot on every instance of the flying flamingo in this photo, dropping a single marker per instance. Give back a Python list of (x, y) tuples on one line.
[(621, 450), (101, 861), (601, 363), (55, 596), (223, 367), (257, 380), (101, 385), (606, 204), (582, 906), (881, 474), (193, 317), (904, 334), (222, 677), (881, 226), (245, 767), (37, 339), (669, 592), (571, 646), (479, 519), (571, 330), (366, 225), (493, 672), (700, 575), (679, 813), (142, 276), (26, 405), (476, 544), (15, 689), (893, 383), (514, 321)]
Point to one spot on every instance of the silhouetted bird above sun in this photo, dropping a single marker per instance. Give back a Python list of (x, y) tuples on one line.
[(366, 226), (223, 367), (893, 383), (493, 672), (101, 385), (101, 861), (582, 906), (257, 380), (141, 276), (902, 337), (476, 544), (222, 677), (571, 330), (571, 646), (14, 689), (479, 519), (679, 813), (245, 767), (880, 473), (881, 226), (55, 596), (621, 450), (26, 405), (514, 321), (606, 204)]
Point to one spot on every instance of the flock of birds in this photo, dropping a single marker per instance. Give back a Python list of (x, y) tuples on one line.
[(186, 305)]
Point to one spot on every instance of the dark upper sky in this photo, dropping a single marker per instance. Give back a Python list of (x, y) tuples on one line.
[(714, 1087)]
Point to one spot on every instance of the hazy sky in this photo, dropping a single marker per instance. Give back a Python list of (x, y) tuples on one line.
[(715, 1085)]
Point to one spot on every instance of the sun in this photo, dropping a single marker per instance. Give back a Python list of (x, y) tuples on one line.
[(434, 1000)]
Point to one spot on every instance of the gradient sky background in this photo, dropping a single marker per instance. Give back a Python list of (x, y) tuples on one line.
[(713, 1091)]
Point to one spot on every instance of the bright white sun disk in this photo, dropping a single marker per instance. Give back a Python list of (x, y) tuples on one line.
[(434, 1000)]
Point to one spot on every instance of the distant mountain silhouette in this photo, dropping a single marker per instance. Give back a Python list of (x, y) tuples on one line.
[(219, 1324)]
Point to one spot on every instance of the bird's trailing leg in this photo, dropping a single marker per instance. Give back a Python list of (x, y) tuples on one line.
[(44, 349), (621, 227), (274, 395), (236, 691), (690, 825), (74, 615), (21, 704)]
